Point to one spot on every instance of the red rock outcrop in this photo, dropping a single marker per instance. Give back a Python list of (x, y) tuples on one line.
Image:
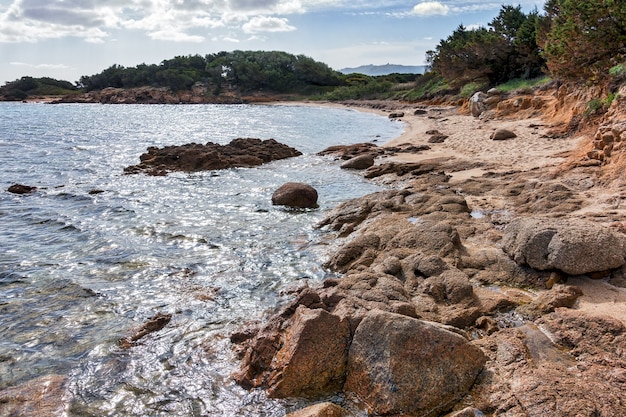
[(490, 255), (194, 157), (399, 365)]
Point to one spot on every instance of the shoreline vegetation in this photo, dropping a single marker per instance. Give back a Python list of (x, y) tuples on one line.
[(490, 277)]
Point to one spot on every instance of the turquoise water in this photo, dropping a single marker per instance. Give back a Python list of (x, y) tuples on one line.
[(79, 270)]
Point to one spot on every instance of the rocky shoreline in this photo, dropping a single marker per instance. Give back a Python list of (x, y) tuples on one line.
[(489, 279)]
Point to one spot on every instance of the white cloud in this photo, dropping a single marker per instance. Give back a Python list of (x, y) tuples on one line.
[(430, 8), (46, 66), (267, 24), (474, 26), (175, 36), (93, 20)]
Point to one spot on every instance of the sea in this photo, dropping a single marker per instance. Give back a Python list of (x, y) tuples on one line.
[(93, 254)]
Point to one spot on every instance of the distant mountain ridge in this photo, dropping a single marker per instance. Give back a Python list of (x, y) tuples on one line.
[(374, 70)]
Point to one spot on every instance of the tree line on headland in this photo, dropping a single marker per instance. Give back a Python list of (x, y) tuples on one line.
[(572, 40)]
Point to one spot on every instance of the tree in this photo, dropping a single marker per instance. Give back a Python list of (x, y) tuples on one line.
[(469, 55), (505, 51), (530, 62), (247, 71), (508, 22), (584, 38)]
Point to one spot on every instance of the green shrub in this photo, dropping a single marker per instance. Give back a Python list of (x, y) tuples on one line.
[(470, 88), (427, 86), (593, 106), (608, 100), (521, 84), (372, 90), (599, 106), (618, 71)]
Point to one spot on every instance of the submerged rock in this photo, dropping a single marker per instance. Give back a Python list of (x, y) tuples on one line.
[(40, 397), (320, 410), (154, 324)]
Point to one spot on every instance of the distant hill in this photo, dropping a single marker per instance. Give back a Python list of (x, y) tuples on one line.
[(374, 70), (28, 87)]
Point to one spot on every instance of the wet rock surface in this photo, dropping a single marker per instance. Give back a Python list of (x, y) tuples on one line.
[(320, 410), (152, 325), (194, 157), (359, 162), (40, 397)]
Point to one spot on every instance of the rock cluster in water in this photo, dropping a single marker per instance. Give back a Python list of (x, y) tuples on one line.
[(194, 157)]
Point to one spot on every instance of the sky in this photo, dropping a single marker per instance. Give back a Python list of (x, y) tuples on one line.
[(66, 39)]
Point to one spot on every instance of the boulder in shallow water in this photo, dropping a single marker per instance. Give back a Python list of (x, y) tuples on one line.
[(21, 189), (312, 361), (295, 195), (359, 162)]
